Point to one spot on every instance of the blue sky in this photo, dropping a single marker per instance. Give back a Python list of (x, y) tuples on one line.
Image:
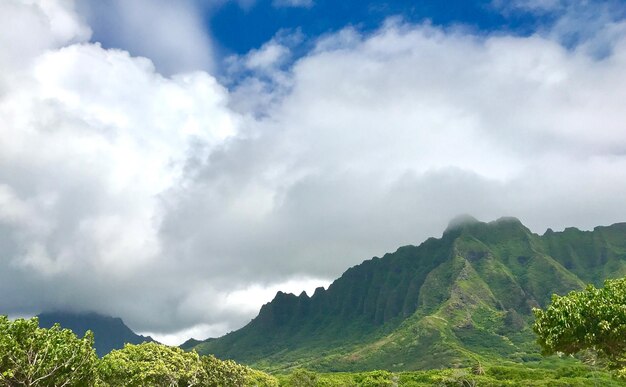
[(236, 27), (175, 163), (239, 29)]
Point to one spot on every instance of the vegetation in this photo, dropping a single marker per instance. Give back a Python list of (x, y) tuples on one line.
[(593, 319), (34, 356), (151, 364), (566, 373)]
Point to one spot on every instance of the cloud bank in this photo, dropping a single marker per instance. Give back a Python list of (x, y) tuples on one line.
[(181, 205)]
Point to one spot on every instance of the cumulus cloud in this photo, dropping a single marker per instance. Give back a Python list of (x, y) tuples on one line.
[(380, 139), (181, 205), (90, 139)]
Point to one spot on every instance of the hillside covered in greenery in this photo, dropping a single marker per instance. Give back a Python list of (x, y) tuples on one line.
[(34, 356), (453, 301)]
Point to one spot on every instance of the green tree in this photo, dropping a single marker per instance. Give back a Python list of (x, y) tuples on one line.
[(260, 379), (377, 379), (152, 364), (33, 356), (303, 378), (592, 319), (227, 373), (224, 373)]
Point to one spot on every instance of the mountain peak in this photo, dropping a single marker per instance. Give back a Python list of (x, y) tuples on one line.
[(461, 221)]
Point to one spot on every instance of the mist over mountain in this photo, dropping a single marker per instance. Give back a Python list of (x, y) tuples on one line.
[(450, 301)]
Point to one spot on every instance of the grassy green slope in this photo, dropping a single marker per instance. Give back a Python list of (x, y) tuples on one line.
[(449, 302)]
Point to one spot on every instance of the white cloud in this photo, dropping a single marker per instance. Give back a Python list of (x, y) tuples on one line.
[(90, 139), (381, 139), (150, 198), (31, 26), (293, 3), (269, 56)]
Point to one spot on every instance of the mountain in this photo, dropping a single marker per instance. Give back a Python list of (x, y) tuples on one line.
[(109, 332), (451, 301)]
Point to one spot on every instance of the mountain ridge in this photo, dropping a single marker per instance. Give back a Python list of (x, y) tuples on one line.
[(430, 305)]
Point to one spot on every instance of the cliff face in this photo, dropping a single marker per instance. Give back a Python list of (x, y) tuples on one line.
[(448, 301)]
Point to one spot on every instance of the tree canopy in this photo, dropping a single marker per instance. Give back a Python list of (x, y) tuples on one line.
[(33, 356), (591, 319)]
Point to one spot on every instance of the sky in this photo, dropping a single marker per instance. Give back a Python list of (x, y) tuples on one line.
[(176, 163)]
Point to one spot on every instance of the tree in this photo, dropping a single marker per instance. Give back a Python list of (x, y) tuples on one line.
[(224, 373), (152, 364), (260, 379), (33, 356), (592, 319), (377, 379), (303, 378)]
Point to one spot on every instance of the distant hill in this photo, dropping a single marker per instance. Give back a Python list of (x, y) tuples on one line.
[(109, 332), (451, 301)]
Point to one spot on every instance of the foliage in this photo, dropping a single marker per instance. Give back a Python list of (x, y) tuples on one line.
[(590, 319), (223, 373), (257, 378), (151, 364), (33, 356), (376, 379), (159, 365), (477, 369), (303, 378), (565, 372)]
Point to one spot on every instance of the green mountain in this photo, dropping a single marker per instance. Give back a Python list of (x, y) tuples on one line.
[(109, 333), (452, 301)]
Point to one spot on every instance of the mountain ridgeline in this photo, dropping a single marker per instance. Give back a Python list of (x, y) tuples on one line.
[(452, 301)]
